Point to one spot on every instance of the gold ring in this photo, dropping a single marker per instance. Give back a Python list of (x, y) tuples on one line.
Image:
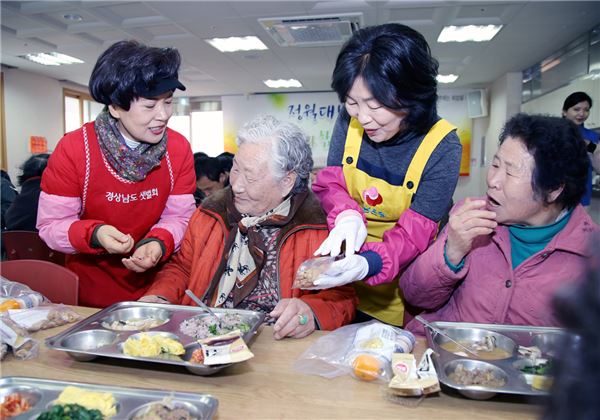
[(302, 319)]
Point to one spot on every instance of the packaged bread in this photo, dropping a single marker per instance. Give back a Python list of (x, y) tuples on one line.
[(410, 380), (17, 338), (310, 269)]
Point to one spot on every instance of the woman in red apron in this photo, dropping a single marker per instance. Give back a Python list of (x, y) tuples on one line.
[(392, 167), (117, 193)]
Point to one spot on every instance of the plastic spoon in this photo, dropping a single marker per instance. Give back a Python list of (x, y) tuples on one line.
[(203, 305), (442, 333)]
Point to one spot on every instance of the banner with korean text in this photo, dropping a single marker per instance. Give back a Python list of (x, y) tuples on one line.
[(316, 112)]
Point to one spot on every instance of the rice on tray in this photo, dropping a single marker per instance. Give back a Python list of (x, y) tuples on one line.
[(206, 325)]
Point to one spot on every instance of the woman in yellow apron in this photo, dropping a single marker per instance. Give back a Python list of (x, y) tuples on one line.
[(392, 166)]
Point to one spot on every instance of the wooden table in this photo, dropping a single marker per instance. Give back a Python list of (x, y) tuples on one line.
[(267, 387)]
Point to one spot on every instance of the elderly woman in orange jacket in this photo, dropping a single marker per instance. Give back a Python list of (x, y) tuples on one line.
[(244, 244)]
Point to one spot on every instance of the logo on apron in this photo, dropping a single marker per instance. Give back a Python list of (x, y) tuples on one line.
[(372, 196)]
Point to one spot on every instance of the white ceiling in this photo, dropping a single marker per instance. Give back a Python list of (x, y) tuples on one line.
[(533, 30)]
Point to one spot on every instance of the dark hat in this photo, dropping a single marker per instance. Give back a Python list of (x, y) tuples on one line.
[(157, 87)]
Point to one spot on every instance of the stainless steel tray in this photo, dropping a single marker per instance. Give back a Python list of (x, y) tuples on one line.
[(40, 393), (545, 338), (92, 337)]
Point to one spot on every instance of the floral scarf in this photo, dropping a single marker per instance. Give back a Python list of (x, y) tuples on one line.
[(245, 251), (131, 164)]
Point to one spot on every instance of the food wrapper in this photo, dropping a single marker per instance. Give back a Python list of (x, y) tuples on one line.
[(226, 348), (310, 270), (377, 342), (43, 317), (410, 380), (363, 351), (17, 338)]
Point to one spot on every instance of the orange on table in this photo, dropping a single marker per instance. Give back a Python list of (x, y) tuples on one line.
[(9, 304), (366, 367)]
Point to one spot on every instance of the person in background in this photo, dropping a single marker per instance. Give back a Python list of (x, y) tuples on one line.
[(501, 258), (392, 167), (226, 159), (245, 243), (22, 213), (198, 194), (576, 108), (8, 192), (118, 192), (576, 365), (210, 175)]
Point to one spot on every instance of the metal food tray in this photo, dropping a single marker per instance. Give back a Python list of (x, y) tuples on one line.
[(545, 338), (91, 337), (41, 394)]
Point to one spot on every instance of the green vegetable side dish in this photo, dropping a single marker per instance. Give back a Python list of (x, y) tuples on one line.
[(541, 369), (243, 327), (70, 412)]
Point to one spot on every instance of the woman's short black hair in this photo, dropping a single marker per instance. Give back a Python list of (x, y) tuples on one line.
[(32, 167), (128, 70), (576, 97), (559, 152), (396, 63)]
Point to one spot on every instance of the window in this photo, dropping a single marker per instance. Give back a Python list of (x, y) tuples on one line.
[(79, 108), (207, 132), (201, 122)]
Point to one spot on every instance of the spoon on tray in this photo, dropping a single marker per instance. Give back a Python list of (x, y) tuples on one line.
[(442, 333), (202, 305)]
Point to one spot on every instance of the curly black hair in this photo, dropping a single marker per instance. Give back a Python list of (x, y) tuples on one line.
[(396, 63), (559, 152), (128, 65)]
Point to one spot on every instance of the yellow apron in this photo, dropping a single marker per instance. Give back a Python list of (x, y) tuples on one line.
[(383, 204)]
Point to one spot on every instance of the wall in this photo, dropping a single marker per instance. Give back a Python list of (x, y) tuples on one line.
[(552, 102), (470, 186), (33, 107), (29, 113), (504, 101)]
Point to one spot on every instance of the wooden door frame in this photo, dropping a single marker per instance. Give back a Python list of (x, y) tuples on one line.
[(3, 154), (81, 96)]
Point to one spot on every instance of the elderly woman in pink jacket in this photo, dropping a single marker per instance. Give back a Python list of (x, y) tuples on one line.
[(502, 257)]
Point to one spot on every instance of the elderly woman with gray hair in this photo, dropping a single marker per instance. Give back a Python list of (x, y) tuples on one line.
[(244, 243)]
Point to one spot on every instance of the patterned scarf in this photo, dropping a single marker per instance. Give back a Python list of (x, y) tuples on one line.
[(245, 251), (132, 164)]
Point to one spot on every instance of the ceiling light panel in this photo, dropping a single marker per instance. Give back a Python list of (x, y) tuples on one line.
[(233, 44), (446, 78), (469, 33), (281, 83), (51, 59)]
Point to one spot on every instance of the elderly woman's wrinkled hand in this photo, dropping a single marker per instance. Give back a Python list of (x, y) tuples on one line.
[(468, 222), (295, 319), (145, 257), (113, 240)]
